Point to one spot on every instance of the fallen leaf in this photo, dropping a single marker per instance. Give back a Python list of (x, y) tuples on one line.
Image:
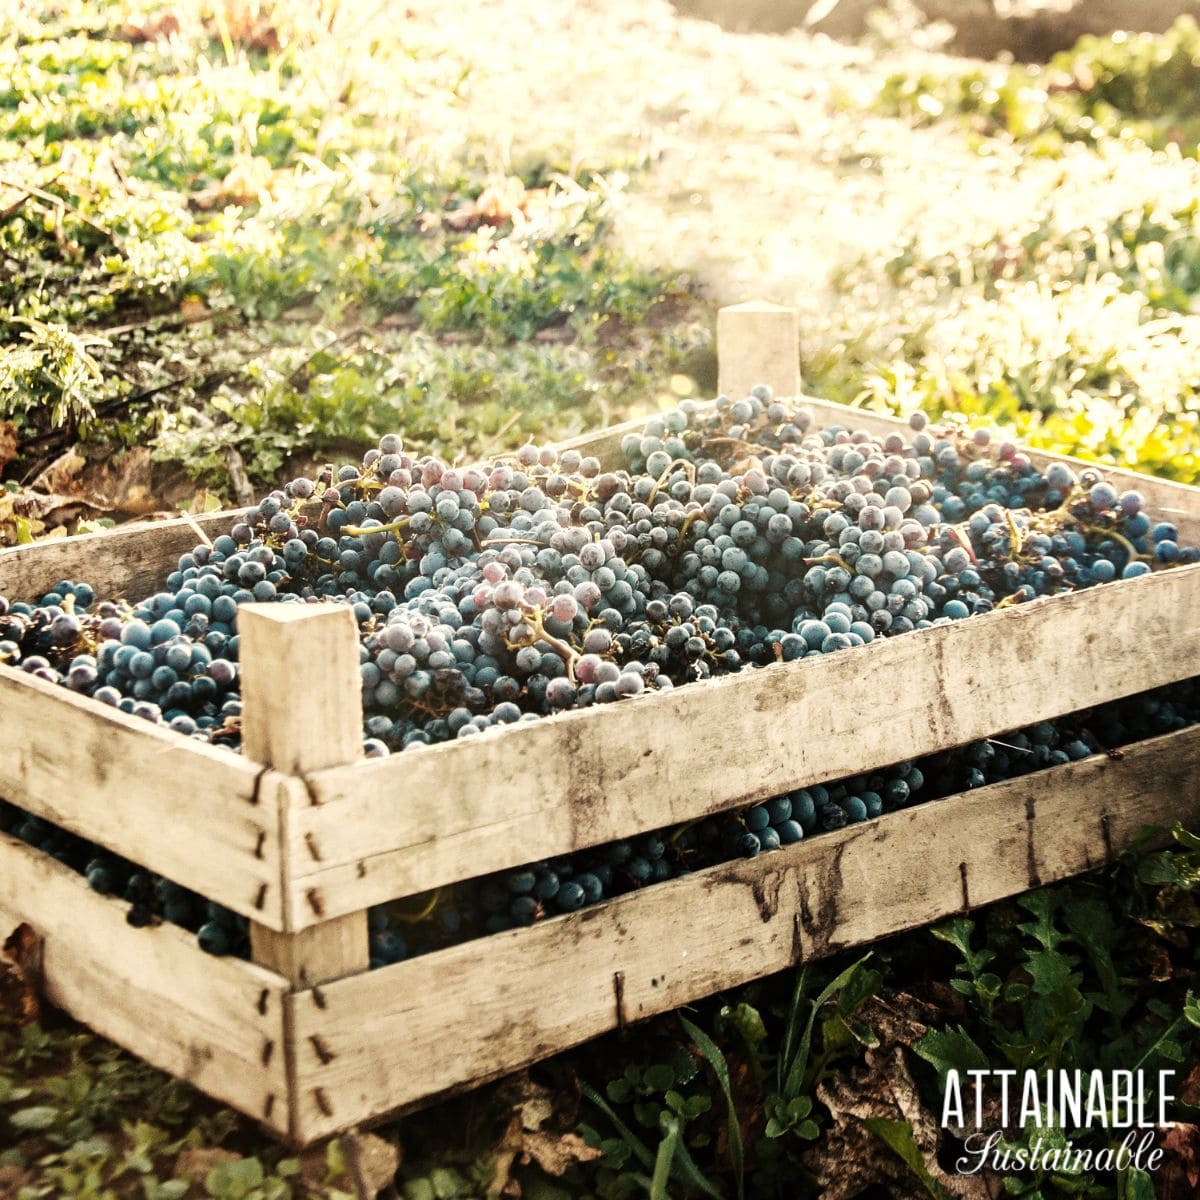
[(373, 1161), (195, 1164), (1179, 1176), (247, 182), (123, 483), (192, 309), (149, 29), (12, 1180), (1159, 964), (9, 443), (1189, 1089), (501, 203), (20, 974), (61, 474), (245, 25), (527, 1138), (851, 1159)]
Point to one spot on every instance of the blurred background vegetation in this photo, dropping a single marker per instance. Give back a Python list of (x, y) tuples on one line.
[(240, 235)]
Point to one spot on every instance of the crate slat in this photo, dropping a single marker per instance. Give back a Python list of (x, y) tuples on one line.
[(378, 1042), (187, 810), (395, 826), (129, 561), (217, 1023)]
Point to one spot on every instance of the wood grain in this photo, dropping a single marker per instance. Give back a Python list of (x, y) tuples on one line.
[(300, 685), (301, 710), (217, 1023), (379, 1042), (177, 806), (402, 825), (130, 561)]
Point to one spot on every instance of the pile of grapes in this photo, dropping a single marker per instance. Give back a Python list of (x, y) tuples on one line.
[(736, 536)]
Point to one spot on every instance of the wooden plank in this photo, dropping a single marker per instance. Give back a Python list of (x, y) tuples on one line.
[(300, 685), (370, 1045), (758, 343), (217, 1023), (331, 950), (402, 825), (302, 710), (129, 561), (178, 806)]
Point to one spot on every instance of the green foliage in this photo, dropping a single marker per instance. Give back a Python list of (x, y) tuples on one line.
[(1134, 87), (204, 249)]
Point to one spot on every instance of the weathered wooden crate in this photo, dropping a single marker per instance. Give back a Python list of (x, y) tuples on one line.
[(300, 837)]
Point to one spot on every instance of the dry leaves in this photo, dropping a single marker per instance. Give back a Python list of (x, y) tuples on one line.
[(9, 443), (1179, 1177), (194, 1164), (20, 973), (248, 181), (193, 309), (154, 28), (850, 1158), (498, 204), (246, 23), (535, 1134), (373, 1161)]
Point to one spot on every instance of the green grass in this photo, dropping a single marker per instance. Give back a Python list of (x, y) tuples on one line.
[(1067, 311), (206, 251)]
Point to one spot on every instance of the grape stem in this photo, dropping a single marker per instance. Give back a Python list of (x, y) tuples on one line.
[(689, 469), (566, 652), (393, 527), (415, 918)]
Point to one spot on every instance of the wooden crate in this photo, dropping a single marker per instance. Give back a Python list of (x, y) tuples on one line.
[(301, 837)]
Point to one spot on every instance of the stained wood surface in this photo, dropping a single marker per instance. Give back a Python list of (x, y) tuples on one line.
[(175, 805), (130, 561), (369, 1045), (217, 1023), (391, 827)]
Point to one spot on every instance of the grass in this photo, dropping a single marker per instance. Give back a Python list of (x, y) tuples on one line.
[(217, 253)]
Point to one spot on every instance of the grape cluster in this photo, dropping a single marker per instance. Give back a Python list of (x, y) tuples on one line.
[(737, 535)]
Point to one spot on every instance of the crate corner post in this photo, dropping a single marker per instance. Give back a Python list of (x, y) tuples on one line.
[(758, 342), (302, 712)]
